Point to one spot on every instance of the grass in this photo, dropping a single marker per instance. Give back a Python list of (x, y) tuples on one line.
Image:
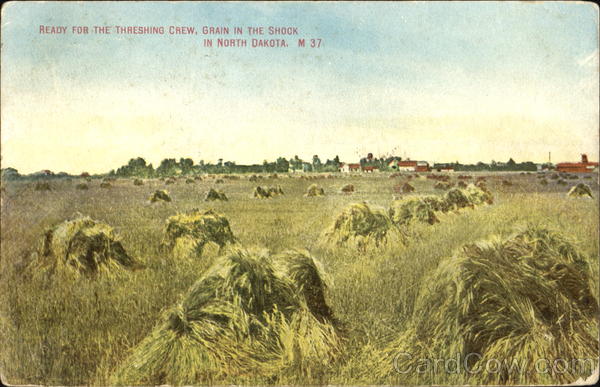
[(72, 331)]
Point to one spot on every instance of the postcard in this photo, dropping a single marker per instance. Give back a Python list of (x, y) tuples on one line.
[(299, 193)]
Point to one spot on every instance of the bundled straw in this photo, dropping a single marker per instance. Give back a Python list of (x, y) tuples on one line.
[(249, 314), (457, 198), (359, 225), (214, 194), (348, 188), (403, 212), (83, 246), (580, 190), (261, 193), (186, 234), (407, 188), (160, 195), (521, 299), (266, 193), (314, 190), (478, 195), (275, 191), (442, 185), (436, 203)]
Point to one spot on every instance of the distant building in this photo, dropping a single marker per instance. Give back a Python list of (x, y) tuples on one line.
[(544, 167), (581, 167), (409, 165), (370, 169), (443, 167), (347, 168), (422, 166)]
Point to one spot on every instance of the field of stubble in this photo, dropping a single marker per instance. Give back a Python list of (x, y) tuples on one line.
[(76, 333)]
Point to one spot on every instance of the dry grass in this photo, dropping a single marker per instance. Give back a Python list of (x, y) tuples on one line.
[(78, 332), (42, 186)]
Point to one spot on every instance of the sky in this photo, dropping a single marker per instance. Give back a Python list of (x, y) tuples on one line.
[(436, 81)]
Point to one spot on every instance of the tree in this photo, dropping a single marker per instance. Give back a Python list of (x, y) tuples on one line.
[(296, 163), (316, 162), (135, 167), (186, 165), (282, 165), (168, 167), (10, 174)]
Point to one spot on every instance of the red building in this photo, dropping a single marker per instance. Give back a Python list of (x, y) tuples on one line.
[(410, 165), (370, 169), (581, 167), (347, 168)]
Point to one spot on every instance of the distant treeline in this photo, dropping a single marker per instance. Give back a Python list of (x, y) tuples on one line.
[(138, 167), (510, 166), (185, 166)]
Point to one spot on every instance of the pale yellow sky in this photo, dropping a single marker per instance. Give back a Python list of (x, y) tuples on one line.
[(87, 103)]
